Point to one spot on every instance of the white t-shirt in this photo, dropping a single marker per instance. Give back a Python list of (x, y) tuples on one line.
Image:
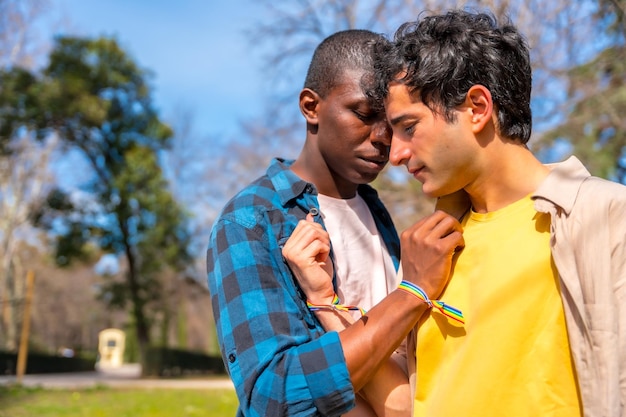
[(365, 271)]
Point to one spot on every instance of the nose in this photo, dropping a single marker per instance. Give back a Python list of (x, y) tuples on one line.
[(400, 152), (381, 133)]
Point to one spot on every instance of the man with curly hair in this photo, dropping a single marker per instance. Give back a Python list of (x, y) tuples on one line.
[(542, 277)]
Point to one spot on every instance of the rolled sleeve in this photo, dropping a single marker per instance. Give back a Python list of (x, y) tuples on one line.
[(280, 360), (322, 360)]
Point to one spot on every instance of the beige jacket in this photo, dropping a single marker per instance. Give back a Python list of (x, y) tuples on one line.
[(588, 245)]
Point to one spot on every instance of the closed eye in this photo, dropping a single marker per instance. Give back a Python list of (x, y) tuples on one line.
[(410, 129), (366, 117)]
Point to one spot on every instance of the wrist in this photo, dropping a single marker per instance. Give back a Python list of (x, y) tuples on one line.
[(416, 291), (335, 305), (420, 294), (323, 299)]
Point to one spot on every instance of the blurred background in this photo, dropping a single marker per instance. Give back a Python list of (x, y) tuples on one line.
[(125, 127)]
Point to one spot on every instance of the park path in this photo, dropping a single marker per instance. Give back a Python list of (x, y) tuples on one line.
[(128, 376)]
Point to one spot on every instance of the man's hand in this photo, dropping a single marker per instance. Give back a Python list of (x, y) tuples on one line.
[(307, 253), (427, 250)]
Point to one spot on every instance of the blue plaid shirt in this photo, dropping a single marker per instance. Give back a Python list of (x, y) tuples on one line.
[(281, 361)]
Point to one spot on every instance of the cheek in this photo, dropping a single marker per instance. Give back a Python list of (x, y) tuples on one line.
[(448, 160), (450, 147), (336, 126)]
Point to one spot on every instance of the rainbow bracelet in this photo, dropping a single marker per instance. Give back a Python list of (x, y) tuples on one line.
[(445, 309), (334, 306)]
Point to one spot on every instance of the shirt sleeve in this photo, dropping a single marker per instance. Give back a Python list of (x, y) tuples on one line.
[(617, 222), (280, 361)]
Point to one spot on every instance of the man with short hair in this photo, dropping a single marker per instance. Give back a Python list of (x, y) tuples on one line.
[(292, 355)]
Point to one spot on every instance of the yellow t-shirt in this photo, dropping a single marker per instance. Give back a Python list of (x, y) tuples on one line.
[(512, 357)]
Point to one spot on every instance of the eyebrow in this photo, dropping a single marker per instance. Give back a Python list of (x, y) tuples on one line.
[(398, 119)]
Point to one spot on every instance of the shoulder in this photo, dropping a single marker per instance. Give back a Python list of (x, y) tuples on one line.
[(570, 186), (251, 202), (594, 191), (274, 190), (600, 205)]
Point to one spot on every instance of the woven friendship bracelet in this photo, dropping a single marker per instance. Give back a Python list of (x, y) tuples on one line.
[(445, 309), (334, 306)]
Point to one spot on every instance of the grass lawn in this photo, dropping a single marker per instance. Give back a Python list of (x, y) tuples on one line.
[(111, 402)]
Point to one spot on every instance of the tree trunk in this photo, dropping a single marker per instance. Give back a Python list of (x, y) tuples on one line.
[(141, 324)]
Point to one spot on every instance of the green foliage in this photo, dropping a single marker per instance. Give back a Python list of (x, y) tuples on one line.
[(96, 98), (72, 237), (595, 127), (18, 104), (155, 213), (101, 87), (615, 12), (39, 362), (105, 402)]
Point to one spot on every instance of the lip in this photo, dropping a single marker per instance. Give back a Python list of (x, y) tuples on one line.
[(375, 161), (417, 171)]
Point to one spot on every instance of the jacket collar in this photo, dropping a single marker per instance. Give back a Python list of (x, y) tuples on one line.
[(562, 183)]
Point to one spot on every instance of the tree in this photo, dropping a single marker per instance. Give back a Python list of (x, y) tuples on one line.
[(24, 177), (17, 18), (98, 101), (24, 180), (594, 128)]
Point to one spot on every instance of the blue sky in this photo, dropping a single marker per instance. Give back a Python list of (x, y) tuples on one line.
[(196, 50)]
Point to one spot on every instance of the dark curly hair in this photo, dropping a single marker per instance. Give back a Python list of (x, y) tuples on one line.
[(440, 57)]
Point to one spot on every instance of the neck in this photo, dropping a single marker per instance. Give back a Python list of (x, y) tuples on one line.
[(509, 175), (311, 167)]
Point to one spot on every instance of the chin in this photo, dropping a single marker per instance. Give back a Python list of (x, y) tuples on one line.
[(432, 195), (432, 192), (366, 178)]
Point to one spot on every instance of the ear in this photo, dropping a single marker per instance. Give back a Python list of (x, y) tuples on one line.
[(480, 106), (309, 100)]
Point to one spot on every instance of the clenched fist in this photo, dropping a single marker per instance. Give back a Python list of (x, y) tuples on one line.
[(307, 252)]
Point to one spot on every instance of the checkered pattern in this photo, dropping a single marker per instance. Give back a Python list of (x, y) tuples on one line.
[(279, 357)]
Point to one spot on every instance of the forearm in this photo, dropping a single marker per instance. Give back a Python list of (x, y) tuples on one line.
[(370, 341), (388, 391)]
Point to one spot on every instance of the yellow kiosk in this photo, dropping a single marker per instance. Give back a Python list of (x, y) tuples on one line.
[(111, 348)]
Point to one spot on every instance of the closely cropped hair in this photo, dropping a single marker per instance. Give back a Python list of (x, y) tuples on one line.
[(346, 50), (440, 57)]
